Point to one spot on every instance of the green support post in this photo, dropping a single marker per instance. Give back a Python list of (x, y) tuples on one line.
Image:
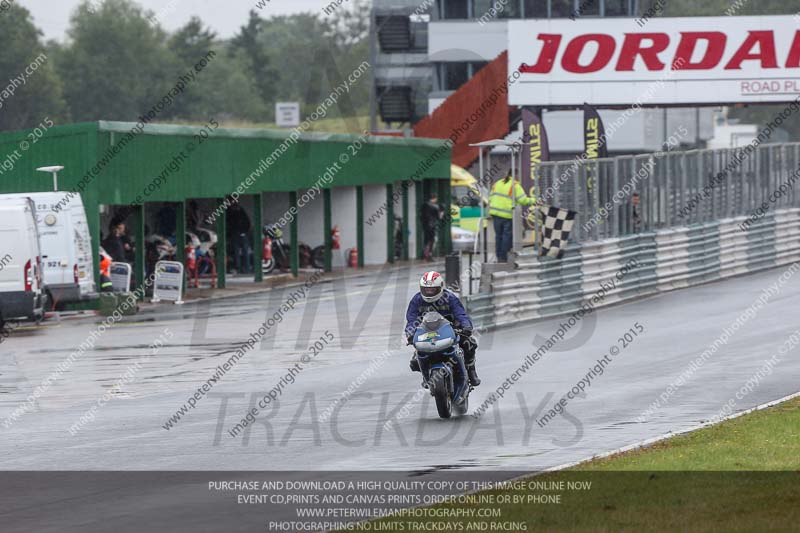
[(258, 247), (180, 237), (445, 235), (328, 228), (139, 273), (93, 220), (419, 192), (389, 223), (405, 221), (92, 205), (222, 245), (360, 224), (295, 248)]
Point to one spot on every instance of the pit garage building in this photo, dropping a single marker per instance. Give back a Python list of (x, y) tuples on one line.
[(311, 182)]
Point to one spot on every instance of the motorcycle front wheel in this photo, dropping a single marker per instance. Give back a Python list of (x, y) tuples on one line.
[(444, 404), (268, 265)]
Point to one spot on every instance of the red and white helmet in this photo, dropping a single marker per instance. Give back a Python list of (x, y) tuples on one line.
[(431, 286)]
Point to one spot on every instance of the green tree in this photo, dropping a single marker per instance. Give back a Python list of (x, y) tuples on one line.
[(255, 50), (24, 57), (116, 65)]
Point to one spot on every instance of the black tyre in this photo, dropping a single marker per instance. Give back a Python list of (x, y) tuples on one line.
[(444, 403), (318, 257), (268, 265)]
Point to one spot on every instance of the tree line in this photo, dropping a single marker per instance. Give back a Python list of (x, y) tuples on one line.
[(117, 62)]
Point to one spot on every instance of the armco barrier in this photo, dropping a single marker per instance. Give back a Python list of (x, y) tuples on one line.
[(638, 265)]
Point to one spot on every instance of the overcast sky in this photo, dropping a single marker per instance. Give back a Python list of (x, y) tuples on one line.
[(224, 16)]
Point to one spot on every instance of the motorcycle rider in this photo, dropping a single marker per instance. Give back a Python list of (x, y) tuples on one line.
[(432, 296)]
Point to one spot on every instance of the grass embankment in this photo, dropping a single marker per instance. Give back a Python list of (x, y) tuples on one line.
[(740, 475)]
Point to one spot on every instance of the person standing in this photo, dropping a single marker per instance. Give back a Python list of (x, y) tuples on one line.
[(431, 215), (239, 233), (117, 244), (505, 193)]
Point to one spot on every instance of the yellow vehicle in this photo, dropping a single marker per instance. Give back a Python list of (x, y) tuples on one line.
[(465, 197)]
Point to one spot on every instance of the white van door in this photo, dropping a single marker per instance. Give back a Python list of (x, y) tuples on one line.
[(83, 248), (55, 238)]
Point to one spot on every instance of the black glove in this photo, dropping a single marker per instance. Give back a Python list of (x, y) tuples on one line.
[(409, 340)]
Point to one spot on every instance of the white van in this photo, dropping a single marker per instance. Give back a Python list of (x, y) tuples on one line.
[(67, 263), (21, 295)]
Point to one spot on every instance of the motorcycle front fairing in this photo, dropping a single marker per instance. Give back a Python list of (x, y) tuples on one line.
[(436, 348)]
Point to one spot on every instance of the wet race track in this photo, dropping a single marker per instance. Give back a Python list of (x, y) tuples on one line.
[(355, 322)]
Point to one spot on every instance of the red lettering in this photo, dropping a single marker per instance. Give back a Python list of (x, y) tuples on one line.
[(632, 47), (605, 49), (793, 60), (766, 51), (687, 45), (547, 56)]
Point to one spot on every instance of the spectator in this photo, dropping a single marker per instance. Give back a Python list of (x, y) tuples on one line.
[(239, 227), (636, 213), (505, 194), (431, 215), (117, 244)]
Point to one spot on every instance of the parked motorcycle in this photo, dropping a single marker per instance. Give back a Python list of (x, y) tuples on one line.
[(275, 252), (441, 361)]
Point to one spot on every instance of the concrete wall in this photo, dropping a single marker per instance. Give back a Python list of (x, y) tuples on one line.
[(343, 214), (375, 234), (275, 205), (412, 221), (311, 221)]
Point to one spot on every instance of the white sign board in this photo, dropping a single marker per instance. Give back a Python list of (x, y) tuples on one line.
[(287, 114), (168, 283), (120, 274), (654, 61)]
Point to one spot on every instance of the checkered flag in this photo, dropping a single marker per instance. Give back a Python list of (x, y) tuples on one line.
[(556, 226)]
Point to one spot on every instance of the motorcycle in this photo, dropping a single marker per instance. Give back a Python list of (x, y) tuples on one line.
[(275, 252), (441, 361)]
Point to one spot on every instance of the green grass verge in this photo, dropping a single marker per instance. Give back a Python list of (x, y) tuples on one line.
[(740, 475)]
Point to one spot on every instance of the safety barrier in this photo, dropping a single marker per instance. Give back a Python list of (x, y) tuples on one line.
[(600, 273)]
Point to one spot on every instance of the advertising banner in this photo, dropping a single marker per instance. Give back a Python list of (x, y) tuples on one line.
[(654, 61)]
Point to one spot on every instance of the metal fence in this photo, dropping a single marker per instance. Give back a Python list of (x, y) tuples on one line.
[(673, 188)]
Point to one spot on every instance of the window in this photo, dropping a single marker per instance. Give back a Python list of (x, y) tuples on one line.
[(510, 11), (616, 8), (561, 8), (452, 75), (535, 9), (454, 9), (476, 66), (587, 8)]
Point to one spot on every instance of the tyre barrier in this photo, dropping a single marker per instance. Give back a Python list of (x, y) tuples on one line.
[(622, 269)]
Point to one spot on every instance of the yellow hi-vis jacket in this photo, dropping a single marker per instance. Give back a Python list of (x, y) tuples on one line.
[(501, 203)]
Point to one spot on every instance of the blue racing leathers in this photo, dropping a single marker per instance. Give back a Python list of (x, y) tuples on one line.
[(449, 306)]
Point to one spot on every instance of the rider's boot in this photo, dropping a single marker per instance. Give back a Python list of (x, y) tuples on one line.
[(474, 380)]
